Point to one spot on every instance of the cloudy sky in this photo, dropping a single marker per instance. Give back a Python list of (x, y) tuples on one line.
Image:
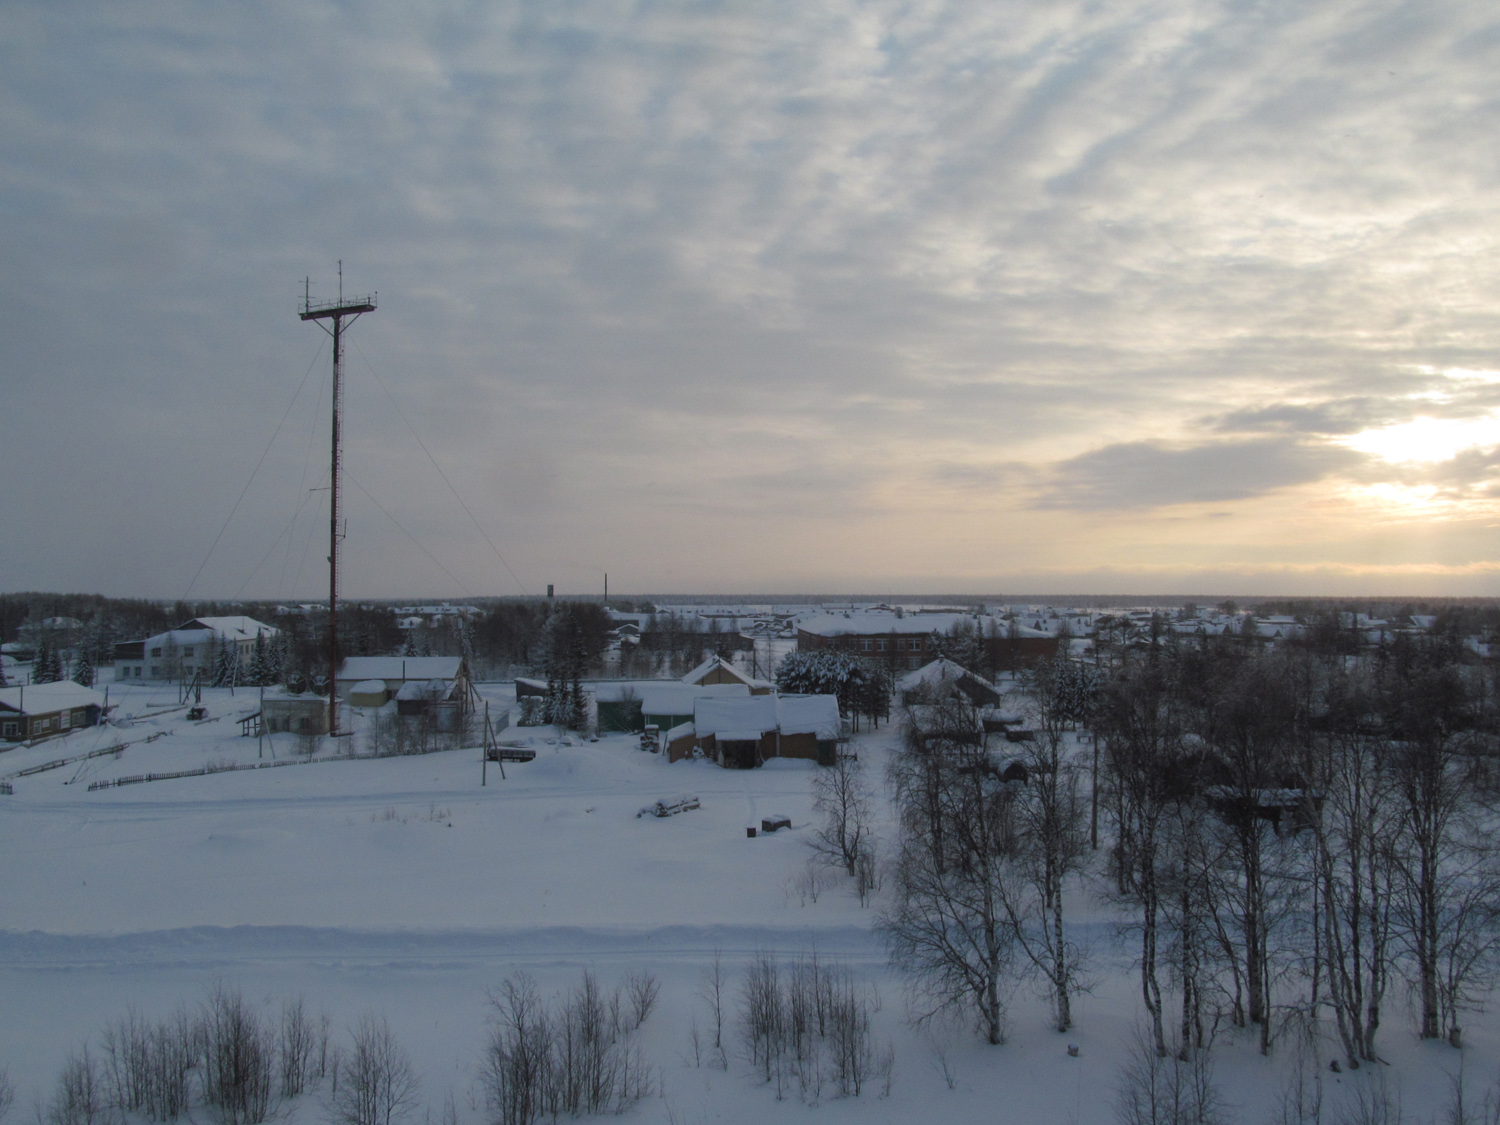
[(969, 296)]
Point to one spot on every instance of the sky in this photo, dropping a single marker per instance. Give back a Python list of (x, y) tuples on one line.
[(1054, 296)]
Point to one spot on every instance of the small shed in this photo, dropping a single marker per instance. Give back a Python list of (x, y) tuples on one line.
[(809, 726), (282, 711), (681, 740), (369, 693), (417, 697), (617, 705)]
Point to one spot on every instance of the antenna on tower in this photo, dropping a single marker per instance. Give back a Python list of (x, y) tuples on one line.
[(335, 311)]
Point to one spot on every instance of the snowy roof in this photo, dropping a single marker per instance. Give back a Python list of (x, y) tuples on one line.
[(810, 714), (712, 714), (939, 671), (39, 699), (870, 624), (238, 628), (678, 699), (400, 667), (611, 691), (421, 689), (369, 687), (712, 663), (1016, 629)]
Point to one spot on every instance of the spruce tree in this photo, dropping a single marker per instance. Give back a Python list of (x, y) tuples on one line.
[(104, 641), (83, 669), (283, 661), (260, 664), (47, 669), (226, 667)]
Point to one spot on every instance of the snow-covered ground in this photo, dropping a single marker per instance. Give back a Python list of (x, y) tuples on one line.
[(400, 886)]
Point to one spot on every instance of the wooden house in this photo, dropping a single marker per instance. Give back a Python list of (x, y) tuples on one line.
[(941, 677), (40, 710)]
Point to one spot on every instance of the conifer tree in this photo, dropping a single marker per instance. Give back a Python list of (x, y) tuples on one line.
[(283, 660), (260, 664), (226, 671), (47, 668), (104, 640), (83, 669)]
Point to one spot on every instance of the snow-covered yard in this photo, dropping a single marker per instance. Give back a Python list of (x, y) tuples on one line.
[(400, 886)]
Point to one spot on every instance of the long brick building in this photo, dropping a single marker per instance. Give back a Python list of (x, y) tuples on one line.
[(908, 642)]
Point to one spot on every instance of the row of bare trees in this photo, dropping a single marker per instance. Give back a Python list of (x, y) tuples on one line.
[(581, 1056), (233, 1062), (1295, 834), (1298, 834), (986, 848)]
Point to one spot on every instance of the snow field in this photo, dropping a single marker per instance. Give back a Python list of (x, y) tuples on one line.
[(400, 886)]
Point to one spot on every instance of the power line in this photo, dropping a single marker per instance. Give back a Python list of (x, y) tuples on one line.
[(303, 492), (408, 534), (440, 472), (253, 472), (276, 543)]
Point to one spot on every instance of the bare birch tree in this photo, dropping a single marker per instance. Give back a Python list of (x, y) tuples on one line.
[(947, 926)]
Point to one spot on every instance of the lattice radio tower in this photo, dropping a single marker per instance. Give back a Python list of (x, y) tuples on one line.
[(336, 311)]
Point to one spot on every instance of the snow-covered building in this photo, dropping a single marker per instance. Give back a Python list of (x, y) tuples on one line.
[(742, 732), (932, 681), (671, 704), (717, 670), (37, 710), (294, 712), (190, 648), (452, 672), (909, 641)]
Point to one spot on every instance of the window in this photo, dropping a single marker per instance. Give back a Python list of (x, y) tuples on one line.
[(188, 651), (10, 729), (65, 720), (155, 672), (880, 646), (156, 652), (866, 644)]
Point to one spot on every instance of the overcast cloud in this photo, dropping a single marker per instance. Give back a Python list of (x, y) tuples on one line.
[(754, 296)]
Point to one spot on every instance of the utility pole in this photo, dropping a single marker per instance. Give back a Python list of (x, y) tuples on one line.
[(335, 311)]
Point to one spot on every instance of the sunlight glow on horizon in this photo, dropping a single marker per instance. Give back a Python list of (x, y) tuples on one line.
[(1428, 440)]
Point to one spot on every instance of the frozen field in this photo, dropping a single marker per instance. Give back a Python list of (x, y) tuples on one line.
[(400, 886)]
